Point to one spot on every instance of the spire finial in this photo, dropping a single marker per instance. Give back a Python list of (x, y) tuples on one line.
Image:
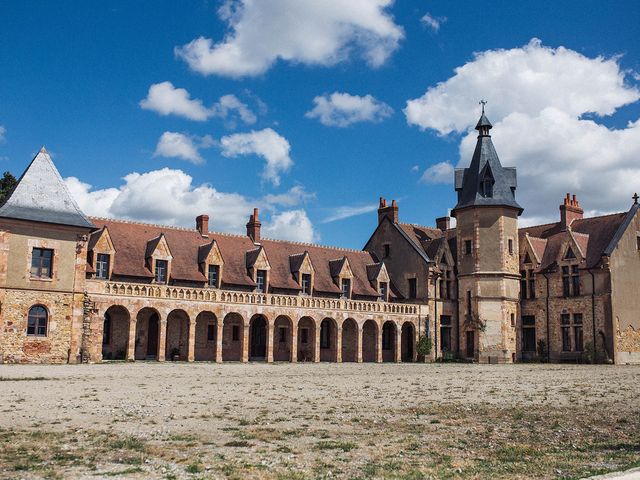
[(635, 198), (483, 103)]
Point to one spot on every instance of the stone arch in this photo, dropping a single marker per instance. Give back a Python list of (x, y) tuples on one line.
[(282, 339), (306, 339), (350, 340), (148, 325), (115, 333), (389, 337), (177, 337), (206, 337), (258, 338), (408, 342), (328, 340), (232, 337), (370, 341)]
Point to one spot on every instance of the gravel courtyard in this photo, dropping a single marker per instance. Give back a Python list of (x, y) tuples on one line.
[(295, 421)]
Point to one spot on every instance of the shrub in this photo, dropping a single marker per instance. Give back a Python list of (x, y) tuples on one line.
[(424, 345)]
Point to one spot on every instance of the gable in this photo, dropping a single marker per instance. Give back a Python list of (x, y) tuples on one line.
[(102, 242), (257, 259), (210, 254), (159, 248)]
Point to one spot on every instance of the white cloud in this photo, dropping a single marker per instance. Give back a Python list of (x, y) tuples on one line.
[(308, 32), (143, 197), (348, 211), (295, 196), (439, 173), (3, 132), (165, 99), (539, 96), (265, 143), (343, 109), (291, 225), (526, 80), (179, 145), (434, 23)]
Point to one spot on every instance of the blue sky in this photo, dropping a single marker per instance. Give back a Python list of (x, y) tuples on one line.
[(239, 134)]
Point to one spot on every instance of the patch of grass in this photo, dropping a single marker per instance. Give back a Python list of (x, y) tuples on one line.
[(237, 443), (335, 445), (127, 471), (130, 443), (24, 379), (194, 468)]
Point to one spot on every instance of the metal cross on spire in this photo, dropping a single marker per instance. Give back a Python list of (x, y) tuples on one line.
[(635, 198), (483, 103)]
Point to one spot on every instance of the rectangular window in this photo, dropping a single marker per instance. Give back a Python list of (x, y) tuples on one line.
[(638, 242), (304, 335), (387, 250), (532, 286), (566, 290), (523, 285), (306, 283), (261, 281), (102, 266), (413, 288), (41, 263), (213, 276), (528, 333), (468, 302), (513, 319), (566, 332), (346, 287), (161, 271), (211, 333), (577, 338), (235, 333), (383, 290), (467, 247), (445, 333), (283, 334), (575, 280), (510, 242)]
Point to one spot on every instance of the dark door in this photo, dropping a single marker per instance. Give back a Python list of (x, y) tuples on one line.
[(152, 338), (259, 338), (407, 340), (470, 343)]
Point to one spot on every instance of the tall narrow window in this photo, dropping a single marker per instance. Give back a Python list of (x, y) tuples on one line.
[(575, 280), (161, 271), (383, 290), (527, 284), (468, 247), (487, 186), (566, 286), (261, 281), (468, 302), (532, 284), (214, 276), (528, 333), (565, 325), (102, 266), (346, 287), (306, 283), (413, 288), (37, 321), (523, 284), (41, 263), (510, 243), (578, 339), (445, 333)]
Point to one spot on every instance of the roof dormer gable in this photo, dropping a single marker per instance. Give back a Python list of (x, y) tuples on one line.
[(257, 259), (301, 263), (573, 248), (209, 254), (101, 242), (377, 273), (158, 248), (340, 268), (529, 255), (444, 255)]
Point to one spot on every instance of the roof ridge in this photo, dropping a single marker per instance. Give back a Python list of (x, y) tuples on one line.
[(317, 245)]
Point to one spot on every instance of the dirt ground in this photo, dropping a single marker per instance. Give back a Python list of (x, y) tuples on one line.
[(298, 421)]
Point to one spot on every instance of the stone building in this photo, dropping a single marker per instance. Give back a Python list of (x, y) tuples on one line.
[(75, 289)]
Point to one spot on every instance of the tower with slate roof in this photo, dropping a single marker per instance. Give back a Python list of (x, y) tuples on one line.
[(487, 240)]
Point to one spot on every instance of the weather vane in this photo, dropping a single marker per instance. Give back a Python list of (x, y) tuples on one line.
[(483, 103)]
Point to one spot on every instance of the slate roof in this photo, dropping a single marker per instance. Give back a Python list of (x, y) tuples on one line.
[(130, 241), (42, 196), (485, 161), (429, 239)]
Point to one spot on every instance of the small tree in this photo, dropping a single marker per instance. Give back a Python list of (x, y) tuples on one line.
[(7, 183), (424, 346)]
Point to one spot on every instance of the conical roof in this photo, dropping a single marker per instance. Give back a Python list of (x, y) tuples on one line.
[(42, 196), (485, 164)]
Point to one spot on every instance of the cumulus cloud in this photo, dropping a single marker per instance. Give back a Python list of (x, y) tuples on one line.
[(268, 144), (309, 32), (439, 173), (179, 145), (432, 22), (143, 197), (295, 196), (343, 109), (291, 225), (538, 100), (165, 99), (348, 211)]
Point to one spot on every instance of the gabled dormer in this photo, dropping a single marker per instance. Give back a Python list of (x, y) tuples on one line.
[(342, 275), (258, 268), (573, 249), (379, 279), (211, 263), (531, 257), (302, 271), (158, 259), (101, 254)]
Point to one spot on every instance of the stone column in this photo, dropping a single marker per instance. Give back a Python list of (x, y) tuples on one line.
[(245, 342), (316, 356), (294, 342), (358, 344), (191, 350), (398, 351), (162, 341), (270, 330), (379, 345), (131, 344), (339, 345), (219, 327)]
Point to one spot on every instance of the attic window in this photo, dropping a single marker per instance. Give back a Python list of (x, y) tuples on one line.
[(161, 271), (570, 255), (527, 258), (383, 290), (306, 284), (102, 266), (261, 281), (346, 287), (214, 276)]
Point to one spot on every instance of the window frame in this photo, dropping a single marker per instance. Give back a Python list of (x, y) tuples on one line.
[(528, 326), (261, 278), (103, 267), (345, 282), (413, 288), (161, 273), (39, 267), (37, 322), (305, 283), (215, 270)]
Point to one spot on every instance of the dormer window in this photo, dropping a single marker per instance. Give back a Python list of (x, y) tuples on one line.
[(384, 290), (261, 281), (213, 276), (306, 284), (102, 266), (162, 267), (487, 187), (346, 287)]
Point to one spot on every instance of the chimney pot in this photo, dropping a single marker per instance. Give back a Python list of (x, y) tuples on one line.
[(390, 211), (202, 225), (570, 211), (253, 227)]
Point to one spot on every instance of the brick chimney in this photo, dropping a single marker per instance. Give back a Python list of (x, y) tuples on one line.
[(570, 210), (253, 227), (202, 225), (443, 223), (387, 211)]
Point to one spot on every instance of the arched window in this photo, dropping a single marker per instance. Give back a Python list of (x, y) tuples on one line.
[(37, 322)]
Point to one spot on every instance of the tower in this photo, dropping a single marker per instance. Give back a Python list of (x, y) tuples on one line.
[(487, 243)]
